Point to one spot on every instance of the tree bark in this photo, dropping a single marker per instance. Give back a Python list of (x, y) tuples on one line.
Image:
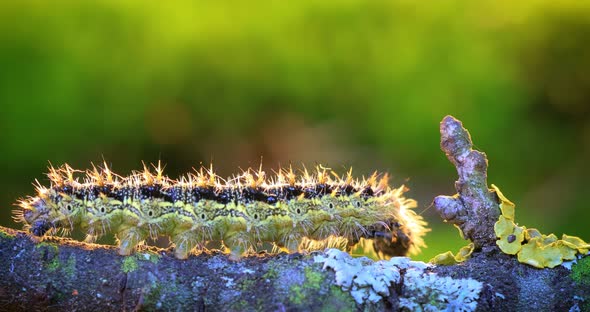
[(61, 274)]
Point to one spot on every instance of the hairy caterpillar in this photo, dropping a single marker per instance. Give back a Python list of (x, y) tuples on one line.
[(292, 212)]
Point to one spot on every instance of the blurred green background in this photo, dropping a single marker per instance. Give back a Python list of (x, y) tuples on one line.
[(342, 83)]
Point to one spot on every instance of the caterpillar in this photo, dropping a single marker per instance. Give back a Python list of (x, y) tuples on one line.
[(292, 211)]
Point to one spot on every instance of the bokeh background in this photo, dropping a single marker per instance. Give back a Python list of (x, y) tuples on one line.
[(339, 83)]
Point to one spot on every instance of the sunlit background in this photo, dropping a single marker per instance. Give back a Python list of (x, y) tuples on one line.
[(340, 83)]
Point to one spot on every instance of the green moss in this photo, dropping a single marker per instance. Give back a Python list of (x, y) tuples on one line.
[(50, 252), (247, 284), (313, 279), (70, 267), (153, 296), (148, 256), (340, 301), (296, 294), (6, 235), (241, 305), (53, 265), (129, 264), (581, 271), (48, 247), (271, 274)]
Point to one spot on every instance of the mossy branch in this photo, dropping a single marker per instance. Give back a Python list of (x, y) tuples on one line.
[(65, 275)]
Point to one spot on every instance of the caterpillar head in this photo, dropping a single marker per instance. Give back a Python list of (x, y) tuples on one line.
[(38, 215)]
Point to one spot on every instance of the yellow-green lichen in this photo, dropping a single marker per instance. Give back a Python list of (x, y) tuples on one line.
[(506, 206), (448, 258), (576, 243), (511, 235), (530, 245), (530, 234), (129, 264), (539, 255)]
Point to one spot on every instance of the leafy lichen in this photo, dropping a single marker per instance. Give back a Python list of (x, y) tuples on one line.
[(511, 236), (448, 258), (531, 246)]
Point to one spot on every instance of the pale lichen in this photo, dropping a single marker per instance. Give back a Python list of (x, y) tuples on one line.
[(431, 292), (369, 282)]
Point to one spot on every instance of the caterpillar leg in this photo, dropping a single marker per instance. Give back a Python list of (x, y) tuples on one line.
[(129, 239), (184, 243), (289, 242), (238, 244)]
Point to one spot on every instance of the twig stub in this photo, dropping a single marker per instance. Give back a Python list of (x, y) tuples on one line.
[(474, 209)]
